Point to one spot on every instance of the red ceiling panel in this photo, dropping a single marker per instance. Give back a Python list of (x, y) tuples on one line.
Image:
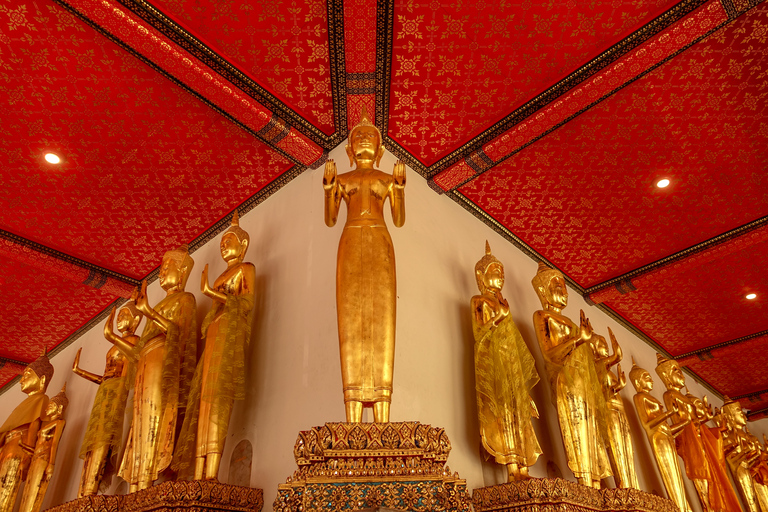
[(9, 371), (280, 44), (42, 309), (146, 163), (458, 68), (702, 306), (584, 196), (736, 369)]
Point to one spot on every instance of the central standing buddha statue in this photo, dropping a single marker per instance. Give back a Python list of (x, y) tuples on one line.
[(365, 271)]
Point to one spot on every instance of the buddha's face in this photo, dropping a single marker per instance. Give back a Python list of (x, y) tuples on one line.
[(231, 248), (556, 293), (53, 411), (736, 415), (124, 319), (676, 376), (170, 275), (494, 277), (698, 407), (643, 381), (365, 143), (29, 381)]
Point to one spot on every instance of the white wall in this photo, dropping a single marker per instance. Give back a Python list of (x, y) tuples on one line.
[(294, 379)]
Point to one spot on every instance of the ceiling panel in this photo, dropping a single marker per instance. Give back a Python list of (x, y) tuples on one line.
[(458, 68), (704, 305), (42, 309), (736, 370), (584, 197), (146, 163), (8, 371), (280, 44)]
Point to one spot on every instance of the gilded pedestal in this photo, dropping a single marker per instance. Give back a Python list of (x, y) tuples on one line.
[(556, 494), (353, 466), (180, 496)]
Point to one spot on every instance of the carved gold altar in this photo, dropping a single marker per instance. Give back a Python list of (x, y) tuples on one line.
[(175, 496), (365, 271), (548, 494), (349, 466)]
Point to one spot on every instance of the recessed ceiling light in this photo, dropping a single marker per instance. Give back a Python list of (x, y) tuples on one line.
[(752, 296), (662, 183), (52, 158)]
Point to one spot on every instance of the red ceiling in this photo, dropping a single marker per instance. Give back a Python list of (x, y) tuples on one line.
[(41, 309), (458, 68), (280, 44), (147, 164), (596, 175), (150, 164)]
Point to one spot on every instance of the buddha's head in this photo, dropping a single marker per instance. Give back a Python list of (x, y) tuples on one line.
[(641, 378), (600, 345), (550, 287), (734, 414), (57, 405), (365, 142), (128, 318), (174, 272), (699, 407), (489, 272), (670, 373), (235, 241), (36, 376)]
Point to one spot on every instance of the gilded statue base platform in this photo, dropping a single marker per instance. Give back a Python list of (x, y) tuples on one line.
[(354, 466), (556, 494), (178, 496)]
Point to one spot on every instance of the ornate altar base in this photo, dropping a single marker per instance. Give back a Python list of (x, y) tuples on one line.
[(179, 496), (549, 494), (353, 466)]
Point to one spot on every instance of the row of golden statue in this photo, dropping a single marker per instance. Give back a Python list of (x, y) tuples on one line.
[(182, 402)]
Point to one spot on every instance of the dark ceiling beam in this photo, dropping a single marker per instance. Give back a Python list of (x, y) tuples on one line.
[(4, 360), (627, 282), (27, 252), (706, 350)]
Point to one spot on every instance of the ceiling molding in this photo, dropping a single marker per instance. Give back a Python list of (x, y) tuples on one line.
[(259, 134), (223, 67), (65, 265), (721, 345)]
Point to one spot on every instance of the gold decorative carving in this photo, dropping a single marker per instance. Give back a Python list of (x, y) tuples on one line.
[(539, 494), (174, 496), (366, 465)]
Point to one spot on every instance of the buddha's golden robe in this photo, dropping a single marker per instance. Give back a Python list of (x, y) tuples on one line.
[(722, 497), (162, 380), (219, 378), (366, 289), (505, 373), (105, 425)]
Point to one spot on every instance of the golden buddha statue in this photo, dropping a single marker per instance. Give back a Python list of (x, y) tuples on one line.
[(20, 429), (220, 375), (162, 372), (576, 391), (660, 434), (700, 468), (760, 475), (620, 440), (505, 373), (104, 433), (44, 453), (365, 271), (741, 451)]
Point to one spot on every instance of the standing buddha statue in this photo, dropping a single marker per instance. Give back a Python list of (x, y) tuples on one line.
[(220, 375), (44, 453), (505, 373), (162, 372), (576, 392), (20, 429), (365, 270), (104, 433), (619, 436), (742, 452), (661, 435)]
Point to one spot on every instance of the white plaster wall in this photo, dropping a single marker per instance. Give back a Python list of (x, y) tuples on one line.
[(294, 379)]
